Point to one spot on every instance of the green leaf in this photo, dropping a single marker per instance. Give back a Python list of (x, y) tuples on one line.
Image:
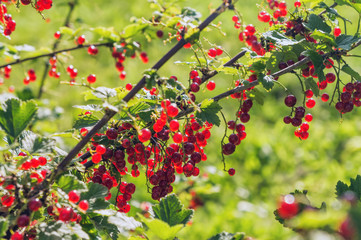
[(326, 37), (355, 215), (25, 94), (316, 22), (59, 230), (15, 116), (355, 186), (162, 229), (258, 96), (70, 182), (317, 61), (311, 84), (227, 236), (66, 31), (34, 143), (87, 120), (104, 92), (113, 222), (266, 81), (171, 211), (95, 190), (317, 219), (332, 11), (191, 14), (279, 39), (192, 35), (227, 70), (356, 4), (347, 69), (277, 57), (209, 109), (122, 221), (133, 29), (135, 109), (3, 226), (89, 107), (346, 41), (107, 33), (258, 66)]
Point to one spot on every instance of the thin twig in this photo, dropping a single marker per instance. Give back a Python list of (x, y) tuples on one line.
[(56, 52)]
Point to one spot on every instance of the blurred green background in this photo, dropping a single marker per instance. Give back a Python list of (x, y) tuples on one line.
[(270, 162)]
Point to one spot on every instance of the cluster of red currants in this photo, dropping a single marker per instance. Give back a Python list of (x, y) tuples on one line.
[(349, 98), (7, 20), (30, 78), (299, 114), (214, 52), (72, 72), (52, 72), (127, 189), (248, 35)]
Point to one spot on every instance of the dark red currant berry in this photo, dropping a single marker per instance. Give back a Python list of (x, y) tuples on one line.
[(228, 148), (112, 134), (290, 101), (34, 204)]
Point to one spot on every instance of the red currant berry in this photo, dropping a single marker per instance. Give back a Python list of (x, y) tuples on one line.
[(129, 86), (91, 78), (7, 69), (144, 135), (100, 149), (231, 171), (80, 40), (42, 161), (130, 188), (288, 207), (330, 77), (160, 33), (212, 53), (83, 205), (193, 74), (337, 32), (194, 87), (297, 3), (23, 221), (235, 18), (310, 103), (287, 119), (57, 35), (25, 2), (211, 85), (34, 204), (172, 110), (17, 236), (309, 93), (177, 137), (251, 29), (228, 148), (74, 196), (96, 158), (325, 97), (112, 133), (290, 101), (66, 214), (92, 50), (174, 125)]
